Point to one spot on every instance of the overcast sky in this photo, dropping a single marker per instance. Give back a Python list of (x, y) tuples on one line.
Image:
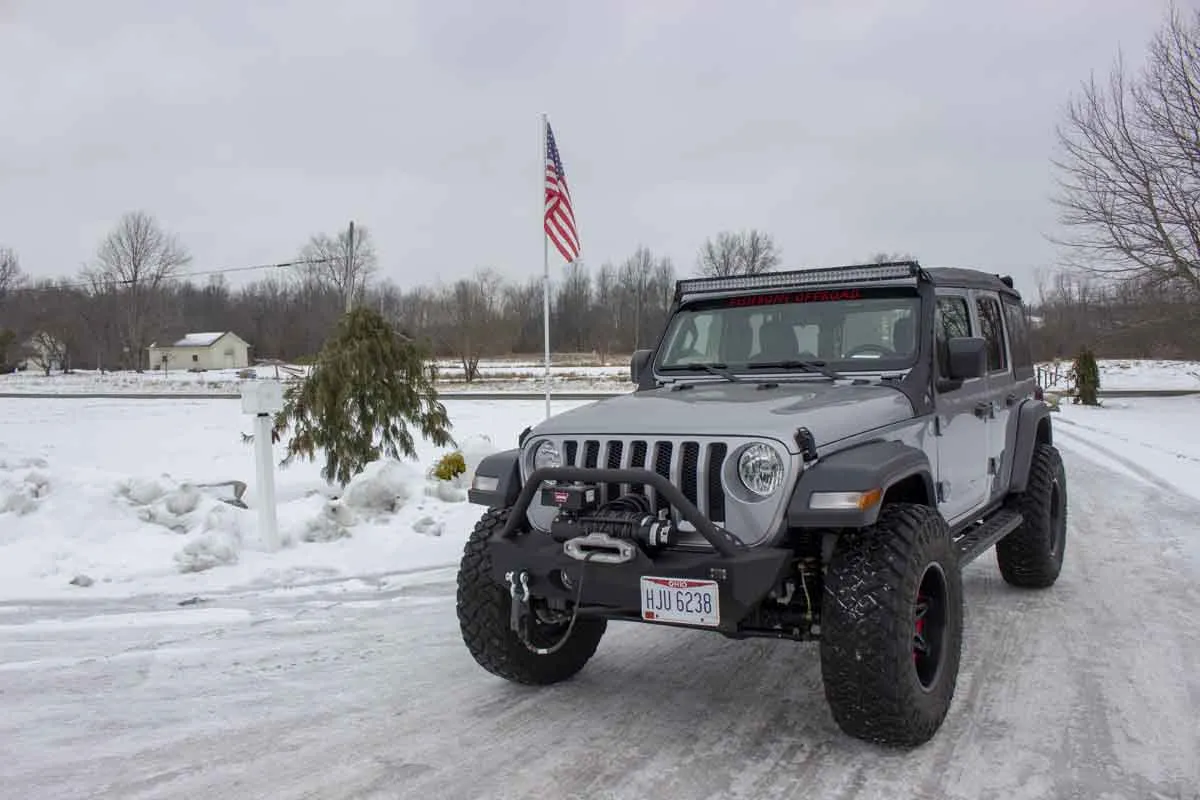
[(843, 127)]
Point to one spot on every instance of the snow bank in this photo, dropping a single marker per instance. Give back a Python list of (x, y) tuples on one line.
[(60, 523), (116, 497)]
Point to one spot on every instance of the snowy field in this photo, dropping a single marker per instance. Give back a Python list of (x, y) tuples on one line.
[(511, 375), (197, 663), (526, 375), (1117, 374)]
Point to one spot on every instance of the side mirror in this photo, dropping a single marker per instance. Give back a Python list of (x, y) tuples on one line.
[(638, 362), (967, 357)]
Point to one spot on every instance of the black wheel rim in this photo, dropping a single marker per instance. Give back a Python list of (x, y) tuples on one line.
[(1058, 517), (929, 626)]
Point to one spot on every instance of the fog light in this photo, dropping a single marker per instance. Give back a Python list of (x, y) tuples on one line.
[(485, 483)]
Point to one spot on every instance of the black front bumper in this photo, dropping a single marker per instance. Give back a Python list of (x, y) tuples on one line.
[(743, 576)]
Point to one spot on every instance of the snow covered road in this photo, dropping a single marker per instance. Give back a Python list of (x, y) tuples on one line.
[(1090, 689)]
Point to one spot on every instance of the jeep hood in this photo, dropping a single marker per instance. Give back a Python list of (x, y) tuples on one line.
[(830, 411)]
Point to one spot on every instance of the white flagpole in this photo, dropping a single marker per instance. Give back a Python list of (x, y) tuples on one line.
[(545, 265)]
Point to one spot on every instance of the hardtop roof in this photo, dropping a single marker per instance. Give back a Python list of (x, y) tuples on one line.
[(959, 278)]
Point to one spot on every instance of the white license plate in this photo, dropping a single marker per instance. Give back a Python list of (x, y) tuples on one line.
[(681, 600)]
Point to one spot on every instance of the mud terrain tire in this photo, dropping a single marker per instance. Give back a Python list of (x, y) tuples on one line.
[(1032, 556), (483, 617), (890, 662)]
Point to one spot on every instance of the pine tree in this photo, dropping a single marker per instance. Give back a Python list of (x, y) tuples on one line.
[(368, 386), (1087, 378)]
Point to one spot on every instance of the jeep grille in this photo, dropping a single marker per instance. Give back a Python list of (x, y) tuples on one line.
[(693, 466)]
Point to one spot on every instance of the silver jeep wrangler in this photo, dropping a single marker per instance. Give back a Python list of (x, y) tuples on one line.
[(807, 455)]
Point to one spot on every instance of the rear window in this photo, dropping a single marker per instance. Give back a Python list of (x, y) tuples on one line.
[(1018, 337)]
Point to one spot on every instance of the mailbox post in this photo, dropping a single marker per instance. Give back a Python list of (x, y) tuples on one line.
[(262, 400)]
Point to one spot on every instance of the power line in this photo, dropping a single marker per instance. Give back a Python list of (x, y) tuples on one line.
[(101, 283)]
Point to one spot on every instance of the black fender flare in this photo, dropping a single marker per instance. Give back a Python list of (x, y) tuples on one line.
[(884, 465), (504, 469), (1034, 427)]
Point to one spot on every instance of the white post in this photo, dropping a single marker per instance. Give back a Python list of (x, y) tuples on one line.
[(545, 266), (264, 455), (263, 399)]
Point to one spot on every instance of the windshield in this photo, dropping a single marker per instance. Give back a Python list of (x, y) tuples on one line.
[(847, 330)]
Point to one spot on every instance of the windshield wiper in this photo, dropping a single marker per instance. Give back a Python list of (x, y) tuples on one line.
[(714, 368), (810, 366)]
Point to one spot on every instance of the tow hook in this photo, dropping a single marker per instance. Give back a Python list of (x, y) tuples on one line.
[(518, 587)]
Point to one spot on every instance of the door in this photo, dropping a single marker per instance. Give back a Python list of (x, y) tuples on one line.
[(962, 446), (1001, 394)]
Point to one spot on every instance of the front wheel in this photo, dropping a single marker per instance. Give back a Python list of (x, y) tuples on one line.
[(484, 607), (1032, 556), (891, 627)]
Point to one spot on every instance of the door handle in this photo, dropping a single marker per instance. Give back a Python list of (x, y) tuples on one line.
[(983, 410)]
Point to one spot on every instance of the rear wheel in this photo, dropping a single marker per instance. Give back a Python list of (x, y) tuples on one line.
[(891, 627), (484, 608), (1032, 556)]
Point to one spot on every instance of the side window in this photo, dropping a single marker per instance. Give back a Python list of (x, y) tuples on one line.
[(1018, 337), (953, 319), (993, 331)]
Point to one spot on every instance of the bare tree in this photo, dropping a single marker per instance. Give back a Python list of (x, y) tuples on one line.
[(135, 260), (747, 253), (573, 302), (8, 337), (523, 305), (759, 253), (883, 257), (606, 312), (11, 276), (720, 258), (47, 351), (343, 262), (1130, 166), (636, 274), (474, 320)]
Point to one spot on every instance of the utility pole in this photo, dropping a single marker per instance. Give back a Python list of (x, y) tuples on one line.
[(348, 283)]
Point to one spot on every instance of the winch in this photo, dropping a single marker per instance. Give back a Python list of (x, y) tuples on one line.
[(628, 517)]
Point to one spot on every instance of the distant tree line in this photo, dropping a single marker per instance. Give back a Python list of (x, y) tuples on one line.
[(137, 291), (133, 296)]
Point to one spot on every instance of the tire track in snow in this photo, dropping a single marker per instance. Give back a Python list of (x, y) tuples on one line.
[(1132, 727), (1107, 457)]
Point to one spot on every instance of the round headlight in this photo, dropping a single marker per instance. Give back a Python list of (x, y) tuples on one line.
[(546, 455), (760, 469)]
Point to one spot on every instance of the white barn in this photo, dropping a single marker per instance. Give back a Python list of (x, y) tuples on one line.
[(216, 350)]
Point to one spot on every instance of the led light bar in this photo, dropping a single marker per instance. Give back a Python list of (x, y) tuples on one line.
[(865, 273)]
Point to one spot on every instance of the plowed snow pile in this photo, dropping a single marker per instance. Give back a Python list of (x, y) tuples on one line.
[(117, 533)]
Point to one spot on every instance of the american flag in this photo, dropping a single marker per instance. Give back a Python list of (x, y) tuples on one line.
[(560, 218)]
